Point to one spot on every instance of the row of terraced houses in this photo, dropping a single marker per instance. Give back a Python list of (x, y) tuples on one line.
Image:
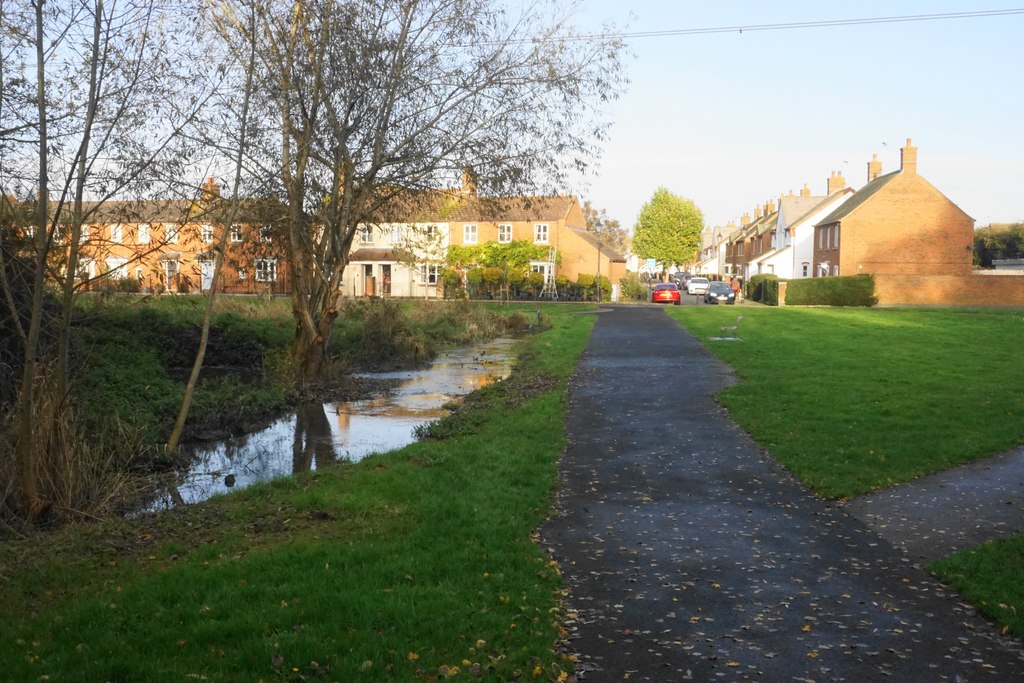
[(169, 246), (898, 227)]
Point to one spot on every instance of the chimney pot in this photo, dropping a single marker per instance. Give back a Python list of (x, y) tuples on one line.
[(805, 191), (874, 167)]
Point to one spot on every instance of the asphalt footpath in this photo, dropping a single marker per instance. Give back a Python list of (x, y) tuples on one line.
[(690, 554)]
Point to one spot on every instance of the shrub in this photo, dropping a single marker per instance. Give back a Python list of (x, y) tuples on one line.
[(764, 288), (855, 290), (632, 288)]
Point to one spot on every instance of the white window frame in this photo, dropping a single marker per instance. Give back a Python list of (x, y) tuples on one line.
[(837, 236), (83, 236), (172, 233), (397, 233), (142, 234), (541, 233), (206, 233), (429, 273), (469, 233), (236, 233), (366, 235), (266, 233), (265, 269), (116, 267), (543, 267), (504, 233), (806, 268), (430, 231), (117, 233)]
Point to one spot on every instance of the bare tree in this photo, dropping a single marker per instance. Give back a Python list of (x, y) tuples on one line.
[(108, 103), (370, 99)]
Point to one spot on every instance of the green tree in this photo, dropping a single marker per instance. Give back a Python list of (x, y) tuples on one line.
[(669, 229)]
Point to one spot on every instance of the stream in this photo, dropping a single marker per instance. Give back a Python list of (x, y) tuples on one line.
[(318, 435)]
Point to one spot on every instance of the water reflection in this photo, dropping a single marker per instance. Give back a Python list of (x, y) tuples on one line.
[(320, 434)]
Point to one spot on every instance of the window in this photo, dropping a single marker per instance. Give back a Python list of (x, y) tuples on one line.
[(241, 273), (366, 235), (430, 231), (83, 237), (86, 268), (236, 233), (266, 233), (773, 240), (837, 237), (469, 234), (504, 233), (266, 269), (429, 273), (116, 233), (540, 233), (206, 233), (821, 238), (172, 234), (138, 274), (835, 270), (397, 233), (542, 267), (805, 268), (116, 268), (142, 236)]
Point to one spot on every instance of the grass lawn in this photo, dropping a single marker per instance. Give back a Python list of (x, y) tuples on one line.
[(857, 399), (416, 565), (853, 400)]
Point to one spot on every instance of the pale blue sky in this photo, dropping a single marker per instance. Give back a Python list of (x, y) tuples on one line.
[(731, 120)]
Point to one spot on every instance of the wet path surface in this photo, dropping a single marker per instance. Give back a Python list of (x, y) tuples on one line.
[(691, 555), (943, 513)]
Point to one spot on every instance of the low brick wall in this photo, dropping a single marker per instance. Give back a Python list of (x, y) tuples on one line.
[(950, 290)]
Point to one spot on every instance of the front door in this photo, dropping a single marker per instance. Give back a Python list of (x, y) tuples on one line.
[(370, 284), (385, 278), (206, 271), (171, 275)]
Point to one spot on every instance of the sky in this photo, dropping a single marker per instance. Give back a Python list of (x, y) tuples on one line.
[(732, 120)]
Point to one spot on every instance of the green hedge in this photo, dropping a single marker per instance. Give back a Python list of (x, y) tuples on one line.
[(763, 288), (856, 290)]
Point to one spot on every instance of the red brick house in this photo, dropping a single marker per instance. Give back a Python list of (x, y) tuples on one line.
[(897, 224)]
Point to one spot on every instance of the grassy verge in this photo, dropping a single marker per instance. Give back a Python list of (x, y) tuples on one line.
[(991, 577), (853, 400), (416, 565)]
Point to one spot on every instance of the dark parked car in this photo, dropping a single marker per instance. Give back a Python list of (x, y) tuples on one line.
[(665, 293), (719, 293)]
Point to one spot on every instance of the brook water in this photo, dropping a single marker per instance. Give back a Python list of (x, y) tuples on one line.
[(320, 434)]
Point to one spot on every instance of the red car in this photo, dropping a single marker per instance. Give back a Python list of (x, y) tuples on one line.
[(667, 293)]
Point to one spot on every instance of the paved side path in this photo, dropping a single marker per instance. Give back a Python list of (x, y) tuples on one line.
[(691, 555)]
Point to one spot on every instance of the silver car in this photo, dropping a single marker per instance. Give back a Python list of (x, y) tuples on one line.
[(697, 285)]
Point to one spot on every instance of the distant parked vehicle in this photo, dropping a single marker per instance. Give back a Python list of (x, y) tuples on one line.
[(697, 285), (719, 293), (665, 293)]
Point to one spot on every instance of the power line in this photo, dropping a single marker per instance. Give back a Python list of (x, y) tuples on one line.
[(827, 23)]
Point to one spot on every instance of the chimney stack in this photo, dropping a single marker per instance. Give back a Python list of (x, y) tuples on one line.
[(769, 207), (908, 159), (805, 191), (210, 191), (836, 182), (745, 219), (874, 167), (469, 182), (757, 211)]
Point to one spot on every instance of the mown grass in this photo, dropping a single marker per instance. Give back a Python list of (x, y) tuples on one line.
[(992, 578), (853, 400), (415, 565)]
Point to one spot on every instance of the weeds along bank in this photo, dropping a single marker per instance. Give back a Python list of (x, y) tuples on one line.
[(131, 357)]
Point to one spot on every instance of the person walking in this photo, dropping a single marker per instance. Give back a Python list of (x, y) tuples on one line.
[(737, 288)]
